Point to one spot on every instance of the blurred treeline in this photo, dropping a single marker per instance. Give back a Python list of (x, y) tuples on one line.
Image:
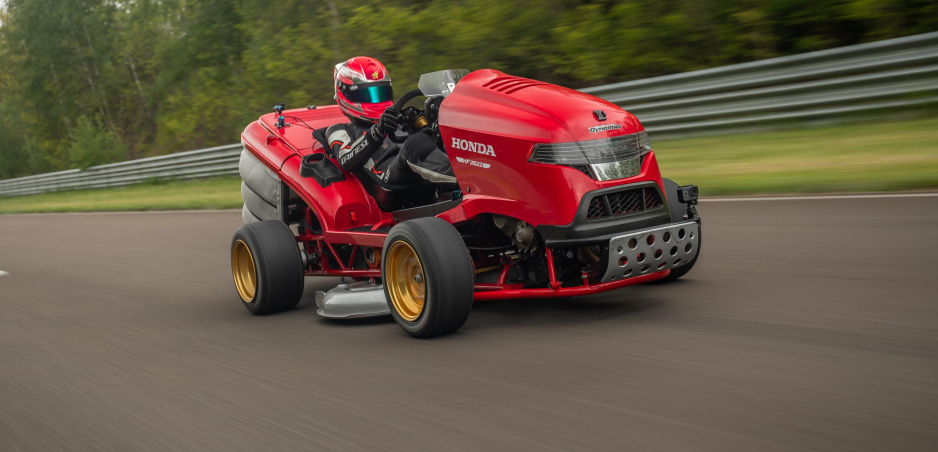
[(84, 82)]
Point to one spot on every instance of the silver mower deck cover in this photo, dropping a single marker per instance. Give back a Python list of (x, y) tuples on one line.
[(351, 301)]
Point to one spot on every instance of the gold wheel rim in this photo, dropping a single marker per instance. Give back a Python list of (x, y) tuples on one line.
[(406, 280), (245, 274)]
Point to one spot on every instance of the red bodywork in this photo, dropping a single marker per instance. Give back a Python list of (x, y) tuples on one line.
[(511, 114)]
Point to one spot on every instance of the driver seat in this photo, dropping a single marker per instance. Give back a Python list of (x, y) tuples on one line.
[(393, 197)]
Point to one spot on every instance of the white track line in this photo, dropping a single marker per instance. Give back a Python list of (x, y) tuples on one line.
[(819, 197), (3, 273)]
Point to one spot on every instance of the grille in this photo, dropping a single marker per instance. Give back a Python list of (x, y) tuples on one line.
[(596, 208), (625, 202), (651, 199)]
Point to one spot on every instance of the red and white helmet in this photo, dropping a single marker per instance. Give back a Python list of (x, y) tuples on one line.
[(363, 88)]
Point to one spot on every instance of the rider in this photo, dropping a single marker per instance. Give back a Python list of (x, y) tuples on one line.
[(363, 92)]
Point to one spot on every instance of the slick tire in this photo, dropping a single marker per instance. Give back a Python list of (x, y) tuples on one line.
[(266, 266), (428, 278), (686, 268), (678, 210)]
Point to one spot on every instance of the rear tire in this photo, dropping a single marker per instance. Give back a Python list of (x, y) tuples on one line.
[(427, 276), (266, 266), (678, 210)]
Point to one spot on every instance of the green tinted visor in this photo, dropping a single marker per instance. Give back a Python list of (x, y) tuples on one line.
[(371, 94)]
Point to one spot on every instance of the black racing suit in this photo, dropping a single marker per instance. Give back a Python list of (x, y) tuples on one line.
[(391, 165)]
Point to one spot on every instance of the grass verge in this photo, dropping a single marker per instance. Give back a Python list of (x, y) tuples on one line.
[(223, 193), (898, 155)]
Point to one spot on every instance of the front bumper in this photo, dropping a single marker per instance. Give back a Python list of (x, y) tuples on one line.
[(644, 207), (652, 250), (628, 263)]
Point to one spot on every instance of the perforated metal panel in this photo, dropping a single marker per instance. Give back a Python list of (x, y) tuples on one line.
[(652, 250)]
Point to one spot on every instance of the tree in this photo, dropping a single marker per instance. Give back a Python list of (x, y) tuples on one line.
[(94, 144), (158, 76)]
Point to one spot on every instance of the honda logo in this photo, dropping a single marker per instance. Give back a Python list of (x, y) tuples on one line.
[(599, 115)]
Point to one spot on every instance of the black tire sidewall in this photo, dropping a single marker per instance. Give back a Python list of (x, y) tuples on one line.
[(686, 268), (277, 264)]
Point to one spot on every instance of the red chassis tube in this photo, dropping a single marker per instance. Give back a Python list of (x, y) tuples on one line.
[(509, 291), (498, 291), (567, 291)]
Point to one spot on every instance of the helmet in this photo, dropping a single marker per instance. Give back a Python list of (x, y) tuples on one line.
[(362, 88)]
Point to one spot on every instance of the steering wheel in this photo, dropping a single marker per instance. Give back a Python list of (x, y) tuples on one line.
[(410, 127)]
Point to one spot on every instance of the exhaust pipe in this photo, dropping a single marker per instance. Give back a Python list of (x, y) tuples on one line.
[(352, 301)]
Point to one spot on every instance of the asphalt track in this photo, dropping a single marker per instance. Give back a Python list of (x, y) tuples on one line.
[(808, 325)]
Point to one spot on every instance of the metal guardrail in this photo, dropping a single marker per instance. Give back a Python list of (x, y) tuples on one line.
[(211, 162), (892, 74), (895, 73)]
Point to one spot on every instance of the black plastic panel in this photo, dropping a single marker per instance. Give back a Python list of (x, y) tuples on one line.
[(321, 169), (594, 224)]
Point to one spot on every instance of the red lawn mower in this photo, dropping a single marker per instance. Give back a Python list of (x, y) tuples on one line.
[(558, 194)]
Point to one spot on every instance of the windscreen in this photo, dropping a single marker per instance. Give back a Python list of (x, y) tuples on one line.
[(440, 83)]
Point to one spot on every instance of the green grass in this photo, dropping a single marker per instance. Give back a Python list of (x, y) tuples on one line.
[(224, 193), (898, 155)]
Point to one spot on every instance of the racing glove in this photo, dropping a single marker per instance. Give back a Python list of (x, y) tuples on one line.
[(355, 155), (389, 121)]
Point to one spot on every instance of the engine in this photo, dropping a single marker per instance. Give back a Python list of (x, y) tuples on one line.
[(520, 232)]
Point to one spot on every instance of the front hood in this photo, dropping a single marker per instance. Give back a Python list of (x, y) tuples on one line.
[(489, 101)]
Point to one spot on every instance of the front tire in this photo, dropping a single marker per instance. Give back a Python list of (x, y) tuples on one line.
[(428, 277), (686, 268), (266, 266)]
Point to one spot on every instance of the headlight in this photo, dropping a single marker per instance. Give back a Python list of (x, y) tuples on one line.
[(606, 158)]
